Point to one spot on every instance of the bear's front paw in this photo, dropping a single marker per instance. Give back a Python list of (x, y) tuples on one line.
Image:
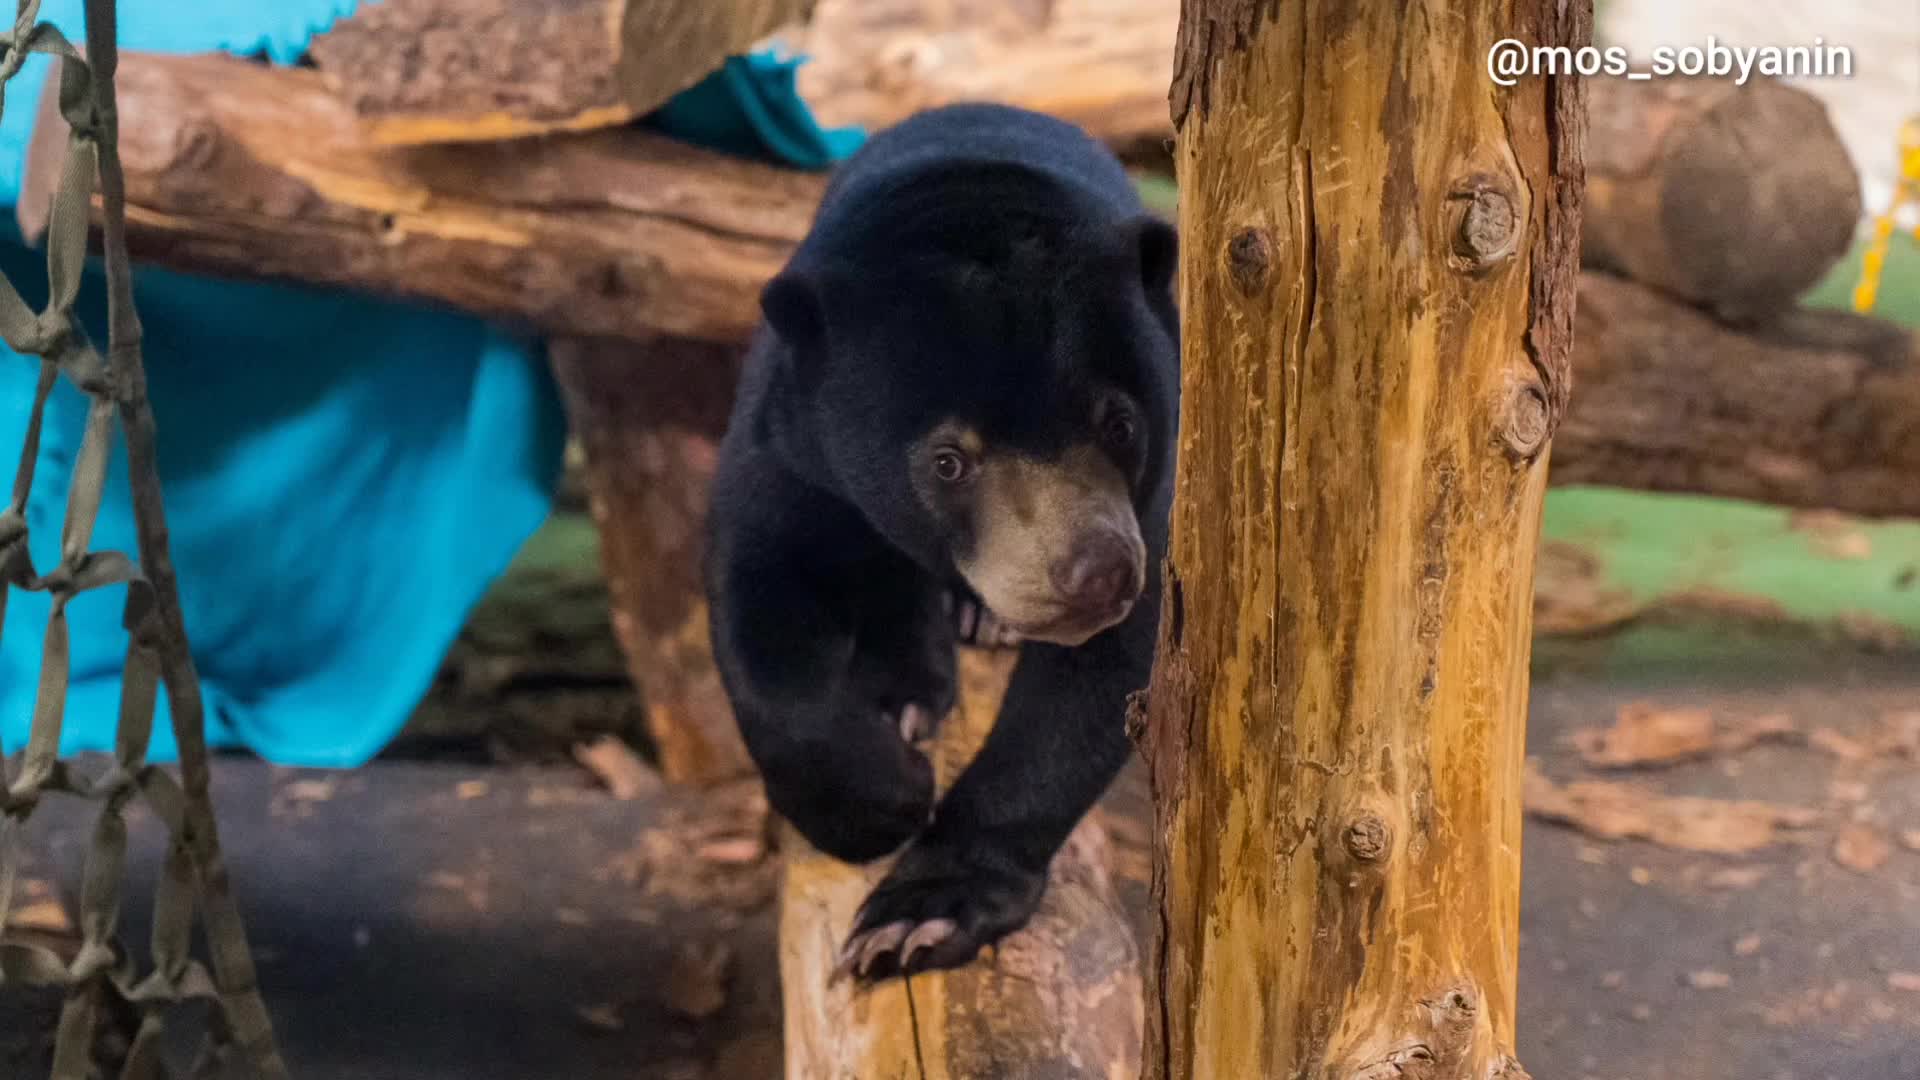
[(936, 909), (856, 802)]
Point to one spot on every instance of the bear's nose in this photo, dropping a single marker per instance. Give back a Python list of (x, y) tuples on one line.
[(1099, 575)]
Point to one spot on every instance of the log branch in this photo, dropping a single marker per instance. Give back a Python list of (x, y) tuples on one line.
[(1102, 64), (237, 169), (1059, 999), (1822, 410), (428, 71)]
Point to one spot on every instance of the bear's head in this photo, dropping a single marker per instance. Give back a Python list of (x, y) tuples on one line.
[(990, 373)]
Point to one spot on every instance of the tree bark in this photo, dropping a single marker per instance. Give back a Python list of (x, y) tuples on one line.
[(649, 418), (1057, 1000), (1820, 410), (1735, 198), (239, 169), (1379, 251), (425, 71), (1102, 64)]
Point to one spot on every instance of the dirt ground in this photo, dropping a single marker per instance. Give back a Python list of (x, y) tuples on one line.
[(443, 915)]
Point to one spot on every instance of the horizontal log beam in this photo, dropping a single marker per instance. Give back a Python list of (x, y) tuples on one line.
[(242, 170), (1821, 409)]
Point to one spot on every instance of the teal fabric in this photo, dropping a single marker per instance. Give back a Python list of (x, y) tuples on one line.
[(752, 107), (343, 479), (344, 476)]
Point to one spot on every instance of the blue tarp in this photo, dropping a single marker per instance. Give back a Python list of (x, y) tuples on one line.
[(344, 476)]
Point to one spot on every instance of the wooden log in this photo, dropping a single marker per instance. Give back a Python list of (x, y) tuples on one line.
[(1734, 198), (239, 169), (649, 417), (1058, 1000), (428, 71), (1378, 260), (1102, 64), (1822, 410)]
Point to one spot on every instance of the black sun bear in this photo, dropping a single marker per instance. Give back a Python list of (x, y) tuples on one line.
[(963, 399)]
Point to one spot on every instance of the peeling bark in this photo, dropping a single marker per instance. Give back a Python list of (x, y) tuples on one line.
[(1101, 64), (1056, 1000), (1379, 250), (426, 71)]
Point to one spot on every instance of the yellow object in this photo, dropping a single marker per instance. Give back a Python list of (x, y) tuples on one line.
[(1906, 189)]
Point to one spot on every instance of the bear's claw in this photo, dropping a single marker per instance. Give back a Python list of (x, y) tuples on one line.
[(917, 723), (934, 911)]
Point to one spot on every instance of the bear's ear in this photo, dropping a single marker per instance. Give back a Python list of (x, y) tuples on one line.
[(792, 304), (1158, 245)]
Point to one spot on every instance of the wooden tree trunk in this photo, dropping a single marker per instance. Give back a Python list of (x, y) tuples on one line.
[(1058, 1000), (649, 417), (421, 71), (1734, 198), (1377, 289)]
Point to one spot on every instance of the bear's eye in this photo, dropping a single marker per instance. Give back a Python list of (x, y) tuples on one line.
[(1120, 429), (950, 466)]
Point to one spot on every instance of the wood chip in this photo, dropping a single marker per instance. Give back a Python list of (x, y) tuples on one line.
[(733, 851), (1832, 742), (470, 789), (1853, 546), (309, 791), (1616, 811), (1899, 735), (601, 1017), (1832, 534), (1871, 632), (1570, 596), (1910, 839), (1861, 848), (1747, 946), (1645, 735), (1709, 980), (1642, 735), (40, 916), (617, 767), (1848, 791), (1904, 981), (697, 981), (1737, 877)]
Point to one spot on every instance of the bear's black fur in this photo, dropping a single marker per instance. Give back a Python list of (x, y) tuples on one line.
[(965, 393)]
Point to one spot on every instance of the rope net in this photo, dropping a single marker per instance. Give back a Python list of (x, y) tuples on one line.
[(101, 978)]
